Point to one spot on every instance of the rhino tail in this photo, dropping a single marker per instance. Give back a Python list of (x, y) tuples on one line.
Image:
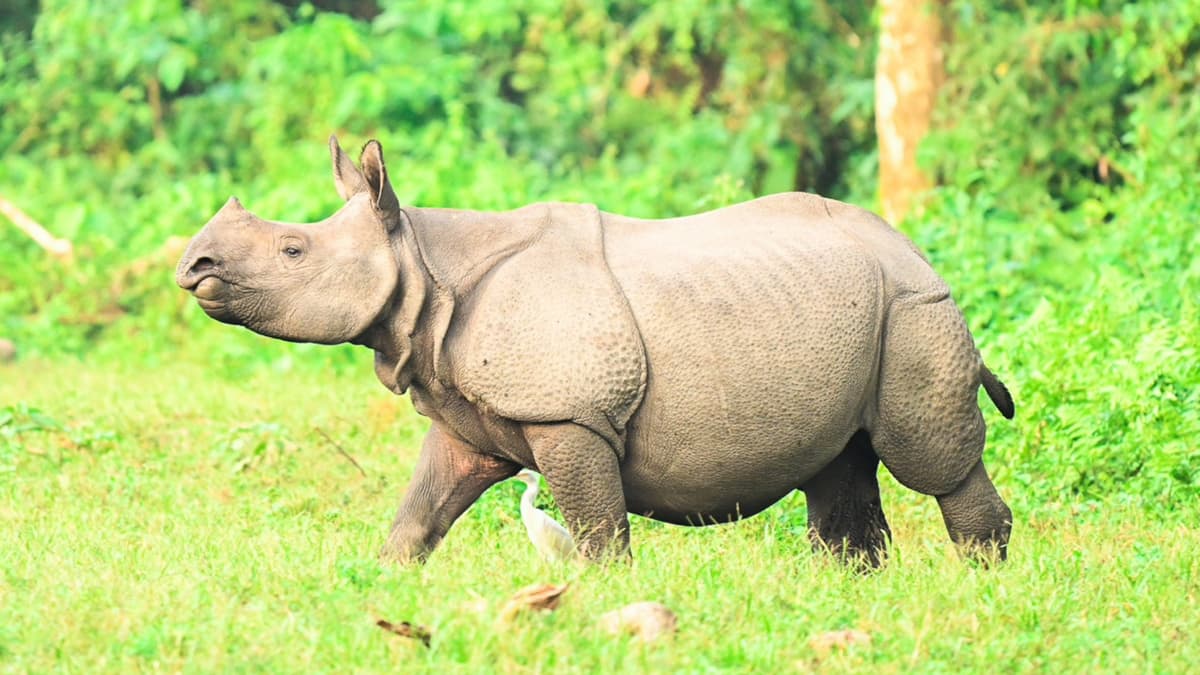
[(997, 392)]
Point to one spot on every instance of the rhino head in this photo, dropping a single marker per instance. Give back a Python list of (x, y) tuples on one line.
[(324, 282)]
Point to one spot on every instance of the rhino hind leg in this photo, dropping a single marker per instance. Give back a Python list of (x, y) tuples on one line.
[(977, 518), (929, 431), (845, 515)]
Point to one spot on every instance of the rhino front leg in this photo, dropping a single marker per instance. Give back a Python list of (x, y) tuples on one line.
[(449, 477), (585, 477)]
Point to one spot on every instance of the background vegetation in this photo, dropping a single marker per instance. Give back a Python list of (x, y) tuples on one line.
[(133, 429)]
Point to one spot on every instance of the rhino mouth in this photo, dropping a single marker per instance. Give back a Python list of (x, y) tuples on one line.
[(210, 289), (213, 295)]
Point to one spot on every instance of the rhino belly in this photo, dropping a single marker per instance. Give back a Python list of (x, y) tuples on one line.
[(760, 366)]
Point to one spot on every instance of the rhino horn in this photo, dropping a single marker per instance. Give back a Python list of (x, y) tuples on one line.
[(231, 210), (200, 257)]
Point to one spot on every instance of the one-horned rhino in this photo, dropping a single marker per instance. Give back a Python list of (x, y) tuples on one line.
[(693, 370)]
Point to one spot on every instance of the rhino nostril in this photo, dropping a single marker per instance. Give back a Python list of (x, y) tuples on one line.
[(202, 264)]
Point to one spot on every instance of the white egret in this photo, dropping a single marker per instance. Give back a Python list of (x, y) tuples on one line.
[(550, 538)]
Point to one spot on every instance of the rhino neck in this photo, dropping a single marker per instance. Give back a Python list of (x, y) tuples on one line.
[(402, 337), (442, 255)]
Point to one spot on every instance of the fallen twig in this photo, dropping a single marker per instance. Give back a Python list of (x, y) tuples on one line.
[(59, 248), (406, 629), (340, 450)]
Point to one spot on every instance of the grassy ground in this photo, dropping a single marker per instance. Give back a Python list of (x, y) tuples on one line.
[(161, 519)]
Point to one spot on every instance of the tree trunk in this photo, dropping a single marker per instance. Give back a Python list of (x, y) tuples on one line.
[(908, 72)]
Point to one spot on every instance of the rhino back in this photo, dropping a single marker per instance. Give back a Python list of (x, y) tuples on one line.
[(761, 324)]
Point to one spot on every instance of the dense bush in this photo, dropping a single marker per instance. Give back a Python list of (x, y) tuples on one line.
[(1064, 148)]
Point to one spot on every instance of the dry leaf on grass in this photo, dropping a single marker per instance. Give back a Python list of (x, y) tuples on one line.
[(406, 629), (539, 597), (824, 643), (648, 621)]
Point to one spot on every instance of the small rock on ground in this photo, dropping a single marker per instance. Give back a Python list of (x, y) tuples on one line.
[(648, 621)]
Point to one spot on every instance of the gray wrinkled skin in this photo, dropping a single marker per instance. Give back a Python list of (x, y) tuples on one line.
[(693, 370)]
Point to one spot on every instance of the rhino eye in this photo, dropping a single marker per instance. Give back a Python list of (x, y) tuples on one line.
[(292, 251)]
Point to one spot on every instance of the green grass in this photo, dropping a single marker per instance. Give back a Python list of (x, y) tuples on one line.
[(165, 519)]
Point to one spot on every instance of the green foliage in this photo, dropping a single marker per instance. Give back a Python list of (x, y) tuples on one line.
[(1053, 104), (1064, 224), (26, 430), (121, 137), (184, 465), (253, 446), (117, 139)]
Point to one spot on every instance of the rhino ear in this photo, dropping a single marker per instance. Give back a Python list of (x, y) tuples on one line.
[(380, 188), (346, 177)]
